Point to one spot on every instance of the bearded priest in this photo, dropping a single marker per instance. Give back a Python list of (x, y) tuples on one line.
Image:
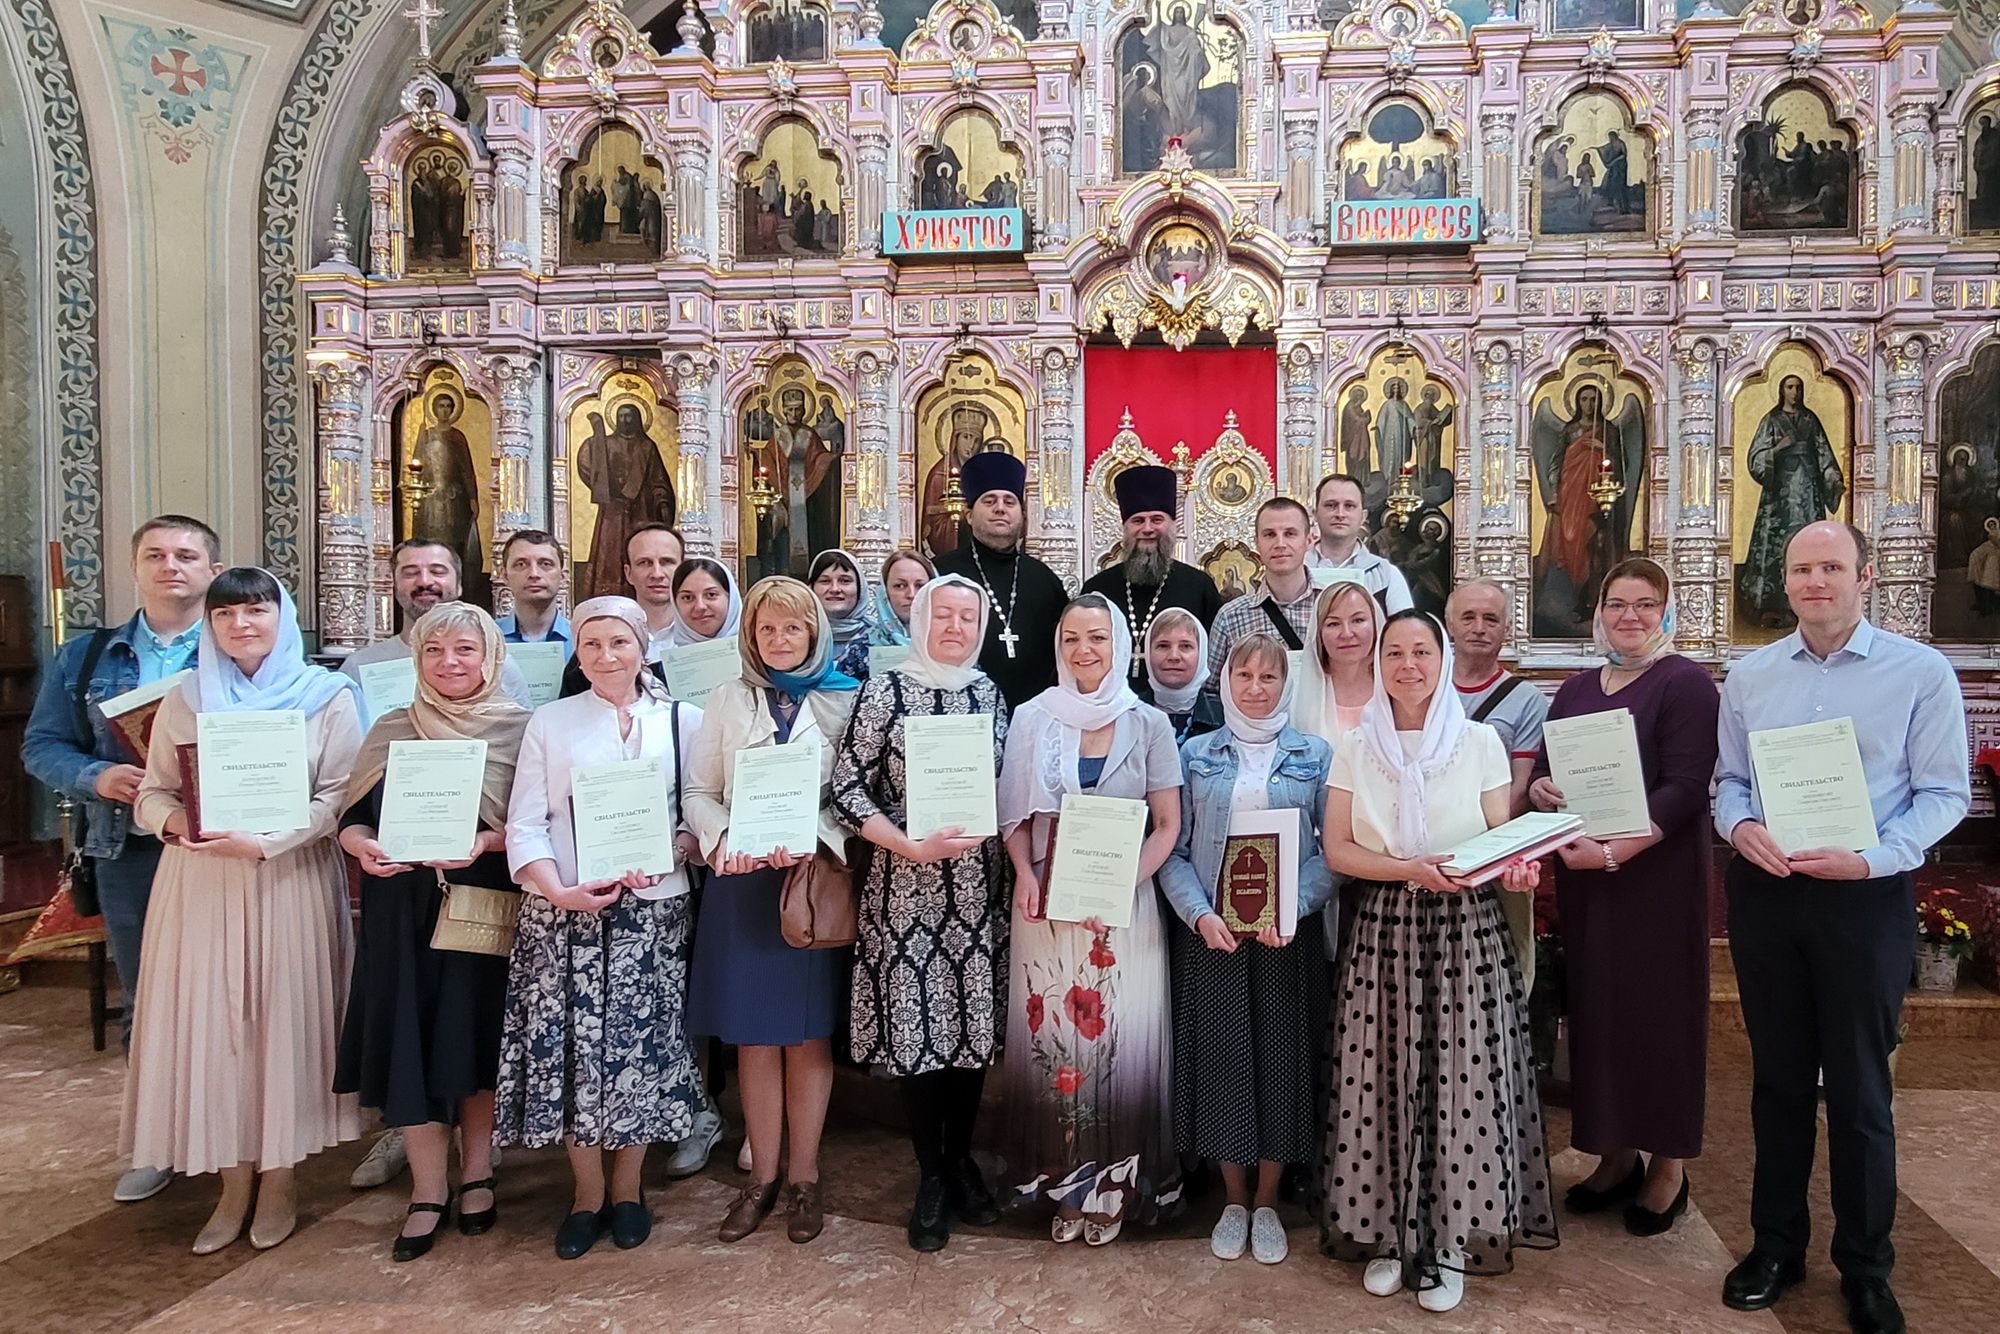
[(1149, 580)]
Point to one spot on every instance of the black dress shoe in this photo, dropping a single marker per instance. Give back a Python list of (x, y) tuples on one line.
[(631, 1223), (930, 1229), (1871, 1307), (1643, 1222), (471, 1222), (1759, 1281), (411, 1248), (580, 1231), (1581, 1199), (965, 1191)]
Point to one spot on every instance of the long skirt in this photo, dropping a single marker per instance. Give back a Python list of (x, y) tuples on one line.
[(747, 986), (1249, 1028), (594, 1050), (1436, 1152)]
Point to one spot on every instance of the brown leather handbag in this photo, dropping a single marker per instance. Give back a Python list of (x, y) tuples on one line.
[(819, 907)]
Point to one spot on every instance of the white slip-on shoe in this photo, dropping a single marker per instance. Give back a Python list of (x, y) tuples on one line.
[(385, 1162), (141, 1183), (1267, 1238), (1450, 1289), (1383, 1277), (1232, 1233)]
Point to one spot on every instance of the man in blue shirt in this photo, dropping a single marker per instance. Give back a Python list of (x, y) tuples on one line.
[(531, 565), (1822, 938), (174, 559)]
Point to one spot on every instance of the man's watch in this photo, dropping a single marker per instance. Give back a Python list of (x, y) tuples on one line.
[(1610, 862)]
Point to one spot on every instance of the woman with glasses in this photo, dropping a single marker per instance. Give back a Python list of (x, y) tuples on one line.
[(1634, 915)]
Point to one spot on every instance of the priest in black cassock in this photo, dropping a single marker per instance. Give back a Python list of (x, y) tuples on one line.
[(1149, 579), (1020, 651)]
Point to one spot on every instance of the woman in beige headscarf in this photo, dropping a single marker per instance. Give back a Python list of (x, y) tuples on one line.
[(421, 1043)]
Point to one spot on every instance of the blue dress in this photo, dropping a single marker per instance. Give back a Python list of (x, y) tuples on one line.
[(748, 987)]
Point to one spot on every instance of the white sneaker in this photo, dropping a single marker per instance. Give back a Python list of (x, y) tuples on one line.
[(141, 1183), (1232, 1233), (1383, 1277), (384, 1163), (1267, 1238), (691, 1154), (1450, 1290)]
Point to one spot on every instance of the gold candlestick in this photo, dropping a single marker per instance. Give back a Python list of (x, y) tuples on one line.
[(1403, 498), (1605, 489), (954, 498), (763, 497)]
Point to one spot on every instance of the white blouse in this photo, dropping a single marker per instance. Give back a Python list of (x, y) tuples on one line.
[(578, 732), (1476, 765), (1253, 773)]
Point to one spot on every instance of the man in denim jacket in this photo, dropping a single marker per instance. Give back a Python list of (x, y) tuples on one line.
[(174, 559)]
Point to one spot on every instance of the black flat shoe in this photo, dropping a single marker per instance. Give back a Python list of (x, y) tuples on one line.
[(1581, 1199), (580, 1231), (965, 1191), (1871, 1307), (1643, 1222), (411, 1248), (1759, 1280), (471, 1223), (929, 1229), (631, 1223)]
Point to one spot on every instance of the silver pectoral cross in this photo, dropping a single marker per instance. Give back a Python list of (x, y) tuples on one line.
[(1009, 638)]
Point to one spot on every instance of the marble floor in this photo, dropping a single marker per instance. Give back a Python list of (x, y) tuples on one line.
[(72, 1260)]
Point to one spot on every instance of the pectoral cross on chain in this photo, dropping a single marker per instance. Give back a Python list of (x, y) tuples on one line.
[(1010, 639)]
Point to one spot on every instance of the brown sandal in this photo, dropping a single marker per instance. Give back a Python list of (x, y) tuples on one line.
[(753, 1204), (803, 1214)]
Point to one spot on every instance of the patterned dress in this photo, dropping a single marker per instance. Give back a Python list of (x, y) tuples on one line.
[(931, 963)]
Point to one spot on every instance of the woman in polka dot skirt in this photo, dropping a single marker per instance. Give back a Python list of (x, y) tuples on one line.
[(1436, 1160)]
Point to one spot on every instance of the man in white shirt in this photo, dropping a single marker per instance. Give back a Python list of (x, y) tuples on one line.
[(1476, 616), (652, 553), (1282, 601), (1342, 515)]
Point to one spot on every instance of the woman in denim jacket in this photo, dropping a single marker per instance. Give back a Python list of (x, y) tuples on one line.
[(1249, 1013)]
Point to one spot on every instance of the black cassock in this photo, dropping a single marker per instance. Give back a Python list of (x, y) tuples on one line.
[(1187, 586), (1032, 606)]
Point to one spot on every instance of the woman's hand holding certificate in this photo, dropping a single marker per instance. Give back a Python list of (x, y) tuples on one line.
[(948, 762), (430, 801), (1594, 761), (774, 800), (253, 776), (1094, 871), (624, 821)]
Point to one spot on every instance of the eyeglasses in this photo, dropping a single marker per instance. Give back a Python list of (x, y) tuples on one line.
[(1645, 607)]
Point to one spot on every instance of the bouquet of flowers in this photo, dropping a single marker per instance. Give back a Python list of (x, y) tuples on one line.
[(1941, 928)]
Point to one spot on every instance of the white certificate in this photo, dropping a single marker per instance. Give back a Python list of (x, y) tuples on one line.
[(1594, 759), (948, 766), (884, 658), (695, 669), (252, 778), (1810, 785), (1094, 871), (388, 685), (774, 799), (541, 667), (624, 820), (1484, 856), (1284, 825), (430, 800)]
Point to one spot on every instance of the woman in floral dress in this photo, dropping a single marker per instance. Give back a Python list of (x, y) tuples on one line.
[(932, 954), (1089, 1052)]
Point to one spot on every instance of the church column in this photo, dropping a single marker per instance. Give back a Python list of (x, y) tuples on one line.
[(1950, 195), (1052, 533), (690, 197), (1302, 464), (1058, 190), (1904, 550), (346, 503), (873, 368), (1704, 171), (694, 384), (1500, 542), (510, 231), (1700, 555), (516, 375), (1301, 187), (1496, 138), (873, 153), (1910, 122), (381, 237)]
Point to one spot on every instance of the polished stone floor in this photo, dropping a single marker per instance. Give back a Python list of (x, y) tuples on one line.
[(71, 1260)]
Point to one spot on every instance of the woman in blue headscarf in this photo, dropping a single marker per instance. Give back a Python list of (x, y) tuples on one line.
[(245, 970), (778, 1005)]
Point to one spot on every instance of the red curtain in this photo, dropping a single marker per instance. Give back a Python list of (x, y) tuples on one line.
[(1180, 396)]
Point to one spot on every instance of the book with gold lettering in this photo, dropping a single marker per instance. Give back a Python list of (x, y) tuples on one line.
[(1247, 896)]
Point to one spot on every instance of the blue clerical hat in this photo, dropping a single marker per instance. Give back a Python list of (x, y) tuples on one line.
[(1146, 489), (992, 470)]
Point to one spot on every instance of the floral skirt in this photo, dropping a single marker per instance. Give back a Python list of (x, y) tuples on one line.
[(1436, 1153), (595, 1051)]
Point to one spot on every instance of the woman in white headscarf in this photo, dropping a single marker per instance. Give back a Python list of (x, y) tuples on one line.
[(594, 1052), (1249, 1009), (1436, 1156), (929, 967), (1176, 671), (246, 961), (1337, 670), (1088, 1132), (706, 603)]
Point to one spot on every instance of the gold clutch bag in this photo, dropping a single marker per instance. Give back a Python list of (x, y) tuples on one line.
[(473, 920)]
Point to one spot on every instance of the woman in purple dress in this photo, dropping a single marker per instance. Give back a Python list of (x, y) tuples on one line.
[(1635, 915)]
